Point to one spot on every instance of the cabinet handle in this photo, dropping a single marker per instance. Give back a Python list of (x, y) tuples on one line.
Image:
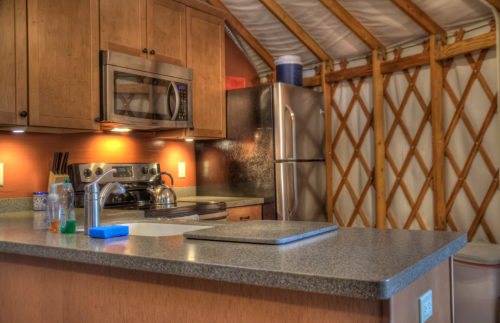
[(97, 119), (152, 52), (23, 114), (244, 218), (145, 50)]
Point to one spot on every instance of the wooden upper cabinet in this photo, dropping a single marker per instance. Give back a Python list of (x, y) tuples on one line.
[(123, 26), (205, 55), (63, 55), (13, 62), (167, 31)]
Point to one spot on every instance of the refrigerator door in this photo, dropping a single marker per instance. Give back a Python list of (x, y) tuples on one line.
[(301, 191), (243, 163), (299, 123)]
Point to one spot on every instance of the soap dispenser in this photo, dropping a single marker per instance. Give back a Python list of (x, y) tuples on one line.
[(53, 208)]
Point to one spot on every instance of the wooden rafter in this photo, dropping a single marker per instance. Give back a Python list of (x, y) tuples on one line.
[(420, 17), (495, 3), (354, 25), (295, 28), (245, 34)]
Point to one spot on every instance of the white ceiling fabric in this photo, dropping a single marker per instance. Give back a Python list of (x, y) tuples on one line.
[(382, 18)]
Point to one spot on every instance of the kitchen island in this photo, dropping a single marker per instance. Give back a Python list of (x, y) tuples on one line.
[(351, 275)]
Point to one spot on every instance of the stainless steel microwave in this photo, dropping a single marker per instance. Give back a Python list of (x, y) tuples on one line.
[(145, 94)]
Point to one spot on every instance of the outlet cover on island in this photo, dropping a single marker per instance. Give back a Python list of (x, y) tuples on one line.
[(1, 174), (182, 170), (425, 306)]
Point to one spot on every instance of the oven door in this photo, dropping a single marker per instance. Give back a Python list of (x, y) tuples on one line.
[(145, 100)]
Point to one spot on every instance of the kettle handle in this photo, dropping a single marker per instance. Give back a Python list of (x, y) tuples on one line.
[(164, 173)]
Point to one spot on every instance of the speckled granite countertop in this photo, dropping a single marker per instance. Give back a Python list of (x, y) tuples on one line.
[(230, 201), (361, 263)]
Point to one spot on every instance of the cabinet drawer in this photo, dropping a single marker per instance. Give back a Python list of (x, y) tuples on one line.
[(246, 213)]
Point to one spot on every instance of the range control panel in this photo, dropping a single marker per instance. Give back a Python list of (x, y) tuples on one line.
[(124, 172)]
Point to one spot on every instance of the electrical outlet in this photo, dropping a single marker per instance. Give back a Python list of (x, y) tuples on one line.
[(1, 175), (182, 170), (425, 306)]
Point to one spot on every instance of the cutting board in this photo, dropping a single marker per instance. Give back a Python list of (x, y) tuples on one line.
[(263, 232)]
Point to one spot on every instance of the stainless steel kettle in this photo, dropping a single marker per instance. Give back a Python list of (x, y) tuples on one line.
[(162, 194)]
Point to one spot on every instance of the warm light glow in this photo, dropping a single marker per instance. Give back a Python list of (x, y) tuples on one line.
[(122, 129), (189, 139), (17, 131)]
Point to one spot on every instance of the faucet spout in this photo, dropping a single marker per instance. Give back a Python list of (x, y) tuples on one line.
[(115, 188)]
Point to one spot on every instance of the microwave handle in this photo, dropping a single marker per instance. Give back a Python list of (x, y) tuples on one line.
[(177, 100)]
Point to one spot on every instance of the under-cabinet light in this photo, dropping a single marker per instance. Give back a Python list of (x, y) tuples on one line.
[(121, 129)]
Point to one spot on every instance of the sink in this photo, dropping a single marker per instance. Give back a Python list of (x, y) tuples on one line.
[(160, 229)]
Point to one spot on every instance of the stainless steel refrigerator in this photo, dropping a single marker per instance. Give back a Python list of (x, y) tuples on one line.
[(275, 149)]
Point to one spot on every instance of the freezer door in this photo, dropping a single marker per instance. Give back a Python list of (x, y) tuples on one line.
[(299, 123), (301, 191)]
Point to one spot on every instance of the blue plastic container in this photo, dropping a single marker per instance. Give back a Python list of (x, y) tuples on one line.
[(289, 69)]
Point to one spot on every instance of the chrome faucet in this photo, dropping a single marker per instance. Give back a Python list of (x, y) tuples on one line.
[(94, 200)]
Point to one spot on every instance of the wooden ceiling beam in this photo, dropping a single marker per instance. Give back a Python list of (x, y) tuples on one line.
[(420, 17), (354, 25), (295, 28), (234, 23)]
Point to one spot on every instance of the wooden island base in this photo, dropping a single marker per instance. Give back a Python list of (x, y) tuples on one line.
[(36, 290)]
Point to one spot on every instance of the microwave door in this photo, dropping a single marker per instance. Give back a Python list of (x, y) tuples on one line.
[(138, 99)]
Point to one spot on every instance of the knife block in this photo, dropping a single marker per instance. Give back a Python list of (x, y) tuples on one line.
[(56, 178)]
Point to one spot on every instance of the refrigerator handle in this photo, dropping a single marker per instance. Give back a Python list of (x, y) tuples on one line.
[(295, 195), (294, 133)]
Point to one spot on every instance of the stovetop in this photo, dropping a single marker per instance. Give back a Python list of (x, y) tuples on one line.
[(135, 178), (180, 209)]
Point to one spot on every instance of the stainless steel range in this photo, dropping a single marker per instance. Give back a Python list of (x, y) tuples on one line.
[(136, 178)]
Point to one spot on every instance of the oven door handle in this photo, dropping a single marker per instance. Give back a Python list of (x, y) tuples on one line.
[(173, 85)]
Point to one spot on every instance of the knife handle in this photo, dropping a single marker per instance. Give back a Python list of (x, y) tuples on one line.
[(64, 163), (54, 163), (59, 158)]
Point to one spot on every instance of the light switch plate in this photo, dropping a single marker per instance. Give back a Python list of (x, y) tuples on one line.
[(425, 306), (182, 170), (1, 174)]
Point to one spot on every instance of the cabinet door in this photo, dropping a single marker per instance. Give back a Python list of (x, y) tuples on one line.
[(63, 54), (205, 55), (167, 31), (123, 26), (13, 62)]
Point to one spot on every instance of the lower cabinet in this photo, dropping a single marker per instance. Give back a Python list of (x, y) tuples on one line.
[(246, 213)]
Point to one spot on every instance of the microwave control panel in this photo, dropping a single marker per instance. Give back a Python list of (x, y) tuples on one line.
[(183, 108)]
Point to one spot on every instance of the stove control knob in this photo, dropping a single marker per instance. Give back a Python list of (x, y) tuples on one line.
[(152, 171), (87, 173), (99, 171), (144, 170)]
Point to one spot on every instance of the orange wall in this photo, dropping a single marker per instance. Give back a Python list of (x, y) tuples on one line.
[(27, 157), (237, 64)]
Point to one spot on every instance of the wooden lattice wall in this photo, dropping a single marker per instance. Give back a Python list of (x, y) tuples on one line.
[(408, 143)]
